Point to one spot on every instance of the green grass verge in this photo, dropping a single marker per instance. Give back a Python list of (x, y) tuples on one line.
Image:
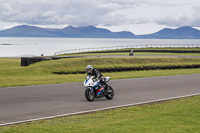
[(175, 116), (12, 74), (79, 64)]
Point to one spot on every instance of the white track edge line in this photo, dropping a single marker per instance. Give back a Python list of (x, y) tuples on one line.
[(101, 109)]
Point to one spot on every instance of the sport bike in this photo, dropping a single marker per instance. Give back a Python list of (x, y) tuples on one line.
[(95, 89)]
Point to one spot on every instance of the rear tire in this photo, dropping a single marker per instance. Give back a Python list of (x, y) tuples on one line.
[(90, 97), (110, 93)]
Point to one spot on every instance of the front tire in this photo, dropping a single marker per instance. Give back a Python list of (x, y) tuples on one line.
[(89, 96), (110, 93)]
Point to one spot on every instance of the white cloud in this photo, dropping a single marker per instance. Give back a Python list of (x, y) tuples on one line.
[(102, 13), (49, 12)]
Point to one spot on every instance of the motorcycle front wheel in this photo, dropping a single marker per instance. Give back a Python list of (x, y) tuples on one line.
[(110, 93), (90, 96)]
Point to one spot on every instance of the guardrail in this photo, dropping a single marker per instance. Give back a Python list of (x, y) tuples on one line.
[(127, 47)]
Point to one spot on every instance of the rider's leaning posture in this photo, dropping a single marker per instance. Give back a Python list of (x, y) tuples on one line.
[(94, 72)]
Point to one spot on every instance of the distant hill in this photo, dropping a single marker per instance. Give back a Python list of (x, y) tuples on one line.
[(68, 32), (186, 32)]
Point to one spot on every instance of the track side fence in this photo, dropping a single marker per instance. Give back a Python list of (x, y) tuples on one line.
[(71, 51)]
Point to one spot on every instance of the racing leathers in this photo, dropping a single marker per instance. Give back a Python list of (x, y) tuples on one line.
[(98, 75)]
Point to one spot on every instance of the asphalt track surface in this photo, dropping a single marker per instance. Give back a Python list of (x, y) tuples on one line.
[(32, 102)]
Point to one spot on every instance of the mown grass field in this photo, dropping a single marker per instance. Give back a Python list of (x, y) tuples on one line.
[(175, 116), (12, 74)]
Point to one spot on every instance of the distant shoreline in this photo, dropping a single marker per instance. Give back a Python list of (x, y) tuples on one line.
[(12, 44)]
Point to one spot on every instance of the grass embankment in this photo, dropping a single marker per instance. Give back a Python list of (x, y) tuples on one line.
[(176, 116), (12, 74)]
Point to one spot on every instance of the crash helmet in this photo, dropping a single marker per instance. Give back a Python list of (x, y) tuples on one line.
[(89, 68)]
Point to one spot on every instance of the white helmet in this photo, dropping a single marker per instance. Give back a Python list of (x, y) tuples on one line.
[(89, 68)]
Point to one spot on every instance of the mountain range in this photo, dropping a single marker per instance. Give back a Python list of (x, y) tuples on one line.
[(68, 32), (186, 32)]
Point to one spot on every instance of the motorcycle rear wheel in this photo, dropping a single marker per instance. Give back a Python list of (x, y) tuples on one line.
[(90, 97), (110, 93)]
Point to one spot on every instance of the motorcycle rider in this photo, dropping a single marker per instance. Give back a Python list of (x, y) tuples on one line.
[(94, 72)]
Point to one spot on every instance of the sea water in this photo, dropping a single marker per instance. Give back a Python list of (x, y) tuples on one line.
[(18, 47)]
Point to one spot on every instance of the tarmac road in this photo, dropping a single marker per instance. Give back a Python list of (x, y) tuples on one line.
[(32, 102)]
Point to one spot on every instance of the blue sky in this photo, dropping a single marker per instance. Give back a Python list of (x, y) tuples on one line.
[(137, 16)]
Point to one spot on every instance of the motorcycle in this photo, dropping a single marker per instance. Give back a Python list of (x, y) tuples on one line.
[(95, 89)]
